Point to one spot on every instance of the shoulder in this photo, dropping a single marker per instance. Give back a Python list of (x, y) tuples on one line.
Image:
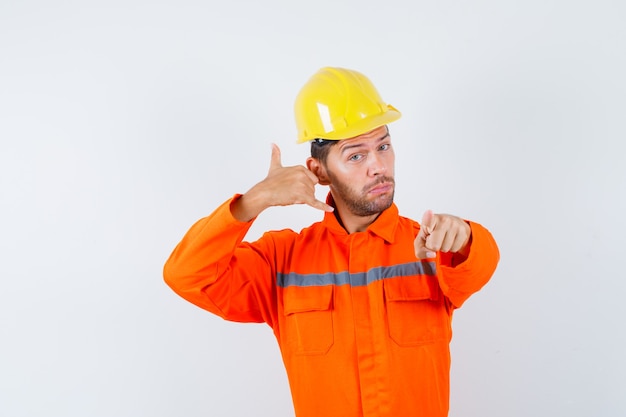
[(408, 223)]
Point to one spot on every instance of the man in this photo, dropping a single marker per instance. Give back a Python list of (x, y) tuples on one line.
[(361, 303)]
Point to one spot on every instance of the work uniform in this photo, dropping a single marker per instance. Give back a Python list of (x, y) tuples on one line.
[(363, 326)]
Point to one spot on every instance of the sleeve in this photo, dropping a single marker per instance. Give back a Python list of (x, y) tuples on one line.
[(459, 281), (214, 269)]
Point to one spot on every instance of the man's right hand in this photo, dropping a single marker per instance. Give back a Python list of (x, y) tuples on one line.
[(283, 186)]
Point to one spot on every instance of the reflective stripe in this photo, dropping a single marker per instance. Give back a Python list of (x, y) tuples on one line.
[(356, 279)]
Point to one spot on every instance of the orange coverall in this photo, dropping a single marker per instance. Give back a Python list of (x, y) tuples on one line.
[(363, 326)]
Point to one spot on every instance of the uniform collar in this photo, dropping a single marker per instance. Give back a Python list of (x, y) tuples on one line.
[(384, 226)]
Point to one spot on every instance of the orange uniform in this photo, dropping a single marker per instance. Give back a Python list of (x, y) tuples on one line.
[(363, 326)]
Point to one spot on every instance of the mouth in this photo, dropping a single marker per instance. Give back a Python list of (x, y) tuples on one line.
[(381, 188)]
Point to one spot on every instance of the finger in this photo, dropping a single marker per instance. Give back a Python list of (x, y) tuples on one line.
[(275, 160), (428, 222), (321, 206), (421, 251), (312, 201), (434, 241), (311, 176), (461, 239), (448, 241), (426, 227), (459, 243)]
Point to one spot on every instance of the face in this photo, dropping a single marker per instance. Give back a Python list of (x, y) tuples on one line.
[(360, 172)]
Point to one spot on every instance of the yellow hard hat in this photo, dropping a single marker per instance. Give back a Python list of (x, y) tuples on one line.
[(338, 103)]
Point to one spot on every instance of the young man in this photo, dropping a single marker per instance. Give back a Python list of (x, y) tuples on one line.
[(361, 303)]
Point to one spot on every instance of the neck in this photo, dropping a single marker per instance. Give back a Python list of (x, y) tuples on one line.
[(351, 222)]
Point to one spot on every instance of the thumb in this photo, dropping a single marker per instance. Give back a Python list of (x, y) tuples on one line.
[(275, 161)]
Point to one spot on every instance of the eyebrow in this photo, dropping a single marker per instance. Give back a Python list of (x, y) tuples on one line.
[(358, 145)]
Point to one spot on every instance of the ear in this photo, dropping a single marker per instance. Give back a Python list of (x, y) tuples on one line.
[(317, 168)]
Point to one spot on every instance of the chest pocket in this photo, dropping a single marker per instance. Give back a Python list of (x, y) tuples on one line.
[(308, 319), (416, 311)]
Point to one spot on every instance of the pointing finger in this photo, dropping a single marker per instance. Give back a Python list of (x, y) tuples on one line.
[(426, 228), (428, 222)]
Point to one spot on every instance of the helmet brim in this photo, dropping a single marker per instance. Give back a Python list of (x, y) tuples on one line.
[(356, 129)]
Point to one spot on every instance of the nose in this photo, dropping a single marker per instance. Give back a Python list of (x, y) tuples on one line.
[(377, 165)]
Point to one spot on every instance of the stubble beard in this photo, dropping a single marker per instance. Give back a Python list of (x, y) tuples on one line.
[(357, 202)]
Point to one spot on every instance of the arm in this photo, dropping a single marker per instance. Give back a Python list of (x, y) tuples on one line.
[(213, 268), (460, 277)]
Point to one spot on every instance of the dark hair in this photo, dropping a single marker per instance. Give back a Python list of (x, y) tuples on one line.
[(320, 148)]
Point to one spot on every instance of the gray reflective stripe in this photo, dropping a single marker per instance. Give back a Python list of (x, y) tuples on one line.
[(356, 279)]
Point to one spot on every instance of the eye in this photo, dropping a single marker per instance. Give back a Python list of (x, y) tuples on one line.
[(356, 157), (384, 147)]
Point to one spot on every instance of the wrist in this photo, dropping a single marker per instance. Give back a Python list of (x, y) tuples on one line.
[(246, 207)]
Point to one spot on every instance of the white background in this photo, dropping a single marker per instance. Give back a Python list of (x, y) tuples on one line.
[(123, 122)]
